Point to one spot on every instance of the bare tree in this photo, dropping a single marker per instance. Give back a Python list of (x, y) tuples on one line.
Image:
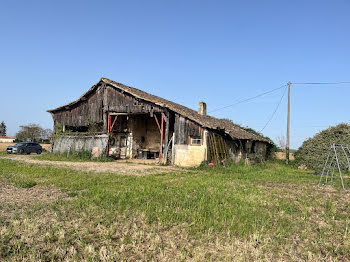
[(46, 134), (33, 132), (281, 142)]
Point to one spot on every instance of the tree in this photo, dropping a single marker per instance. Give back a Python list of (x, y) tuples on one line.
[(3, 129), (281, 142), (46, 134), (33, 132)]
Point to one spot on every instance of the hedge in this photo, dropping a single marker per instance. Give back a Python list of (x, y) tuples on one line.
[(313, 151)]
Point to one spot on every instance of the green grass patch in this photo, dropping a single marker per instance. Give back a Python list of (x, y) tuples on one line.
[(269, 203)]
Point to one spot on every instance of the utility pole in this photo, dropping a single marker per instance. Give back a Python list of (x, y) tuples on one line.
[(288, 125)]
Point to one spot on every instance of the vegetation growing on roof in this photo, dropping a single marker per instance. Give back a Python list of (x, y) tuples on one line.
[(313, 151), (249, 130), (271, 148)]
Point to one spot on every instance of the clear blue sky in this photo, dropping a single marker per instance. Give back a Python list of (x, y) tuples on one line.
[(186, 51)]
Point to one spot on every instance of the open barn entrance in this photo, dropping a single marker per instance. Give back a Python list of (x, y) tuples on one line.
[(136, 135)]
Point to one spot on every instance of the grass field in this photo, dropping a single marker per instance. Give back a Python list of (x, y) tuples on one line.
[(259, 213)]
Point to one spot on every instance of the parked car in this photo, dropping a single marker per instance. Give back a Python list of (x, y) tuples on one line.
[(25, 148)]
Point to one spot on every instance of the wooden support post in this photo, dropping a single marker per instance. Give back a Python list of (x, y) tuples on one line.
[(109, 134), (173, 149), (288, 125), (105, 108), (166, 135), (161, 138)]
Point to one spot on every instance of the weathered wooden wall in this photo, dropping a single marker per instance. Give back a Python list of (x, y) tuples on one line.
[(98, 104), (184, 128), (82, 113), (118, 101)]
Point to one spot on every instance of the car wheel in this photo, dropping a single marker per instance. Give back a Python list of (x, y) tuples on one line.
[(21, 151), (38, 152)]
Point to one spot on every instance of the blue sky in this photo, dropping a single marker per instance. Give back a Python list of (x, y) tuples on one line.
[(186, 51)]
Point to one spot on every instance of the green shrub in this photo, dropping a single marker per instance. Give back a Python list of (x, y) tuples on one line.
[(313, 151)]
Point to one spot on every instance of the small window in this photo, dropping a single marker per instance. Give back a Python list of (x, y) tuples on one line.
[(195, 141)]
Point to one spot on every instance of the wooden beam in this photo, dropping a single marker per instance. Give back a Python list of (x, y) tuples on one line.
[(161, 139), (126, 114), (155, 117), (166, 135), (109, 134), (115, 119), (105, 108)]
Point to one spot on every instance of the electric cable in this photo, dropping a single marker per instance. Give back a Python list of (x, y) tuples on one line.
[(274, 112), (248, 99)]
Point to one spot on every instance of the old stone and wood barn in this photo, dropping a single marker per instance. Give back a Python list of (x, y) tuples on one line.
[(126, 122)]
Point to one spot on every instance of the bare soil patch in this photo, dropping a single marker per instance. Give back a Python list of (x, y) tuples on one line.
[(14, 195), (116, 167)]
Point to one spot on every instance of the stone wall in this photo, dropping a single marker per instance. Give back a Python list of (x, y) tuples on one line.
[(61, 144), (190, 155)]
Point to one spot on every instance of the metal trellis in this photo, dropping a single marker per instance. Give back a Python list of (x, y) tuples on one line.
[(333, 161)]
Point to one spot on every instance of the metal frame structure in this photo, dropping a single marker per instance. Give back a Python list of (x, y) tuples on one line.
[(333, 162)]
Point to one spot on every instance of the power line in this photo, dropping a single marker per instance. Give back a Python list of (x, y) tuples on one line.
[(321, 83), (274, 112), (248, 99), (272, 90)]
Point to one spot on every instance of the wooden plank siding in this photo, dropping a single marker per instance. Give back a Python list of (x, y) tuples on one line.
[(184, 129), (98, 104), (121, 102), (83, 113)]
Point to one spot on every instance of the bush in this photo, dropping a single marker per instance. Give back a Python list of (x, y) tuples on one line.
[(313, 151)]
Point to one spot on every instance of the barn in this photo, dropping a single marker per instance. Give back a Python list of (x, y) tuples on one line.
[(127, 123)]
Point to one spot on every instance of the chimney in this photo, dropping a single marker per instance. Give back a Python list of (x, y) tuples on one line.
[(202, 108)]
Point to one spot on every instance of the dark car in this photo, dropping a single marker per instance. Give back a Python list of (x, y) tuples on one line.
[(25, 148)]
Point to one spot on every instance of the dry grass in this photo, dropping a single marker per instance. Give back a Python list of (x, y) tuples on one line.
[(115, 167), (35, 216), (63, 234), (262, 213)]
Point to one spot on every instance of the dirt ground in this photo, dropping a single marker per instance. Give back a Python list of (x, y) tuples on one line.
[(136, 168), (3, 146)]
